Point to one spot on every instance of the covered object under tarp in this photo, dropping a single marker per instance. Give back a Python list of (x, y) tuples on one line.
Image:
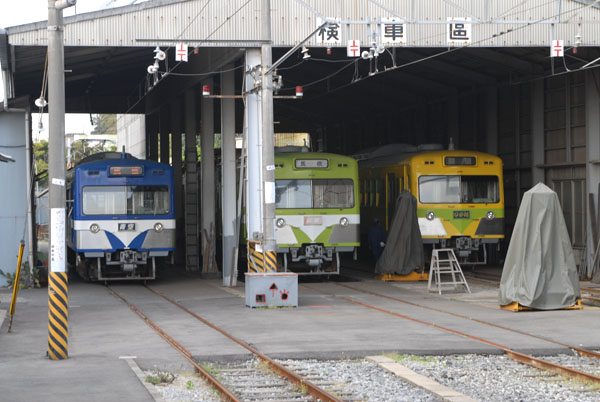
[(539, 271), (403, 252)]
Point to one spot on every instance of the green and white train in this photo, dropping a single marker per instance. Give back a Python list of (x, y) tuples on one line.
[(317, 211)]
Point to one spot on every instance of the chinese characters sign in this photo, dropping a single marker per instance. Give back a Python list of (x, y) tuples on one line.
[(393, 31), (459, 31), (330, 34)]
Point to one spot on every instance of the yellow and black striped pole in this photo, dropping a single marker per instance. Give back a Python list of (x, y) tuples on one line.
[(260, 260), (13, 300), (58, 314), (58, 329), (58, 300)]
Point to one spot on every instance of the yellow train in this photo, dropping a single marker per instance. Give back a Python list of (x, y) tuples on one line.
[(460, 196)]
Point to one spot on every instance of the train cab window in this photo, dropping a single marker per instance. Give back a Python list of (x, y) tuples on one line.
[(333, 193), (317, 193), (126, 200), (459, 189)]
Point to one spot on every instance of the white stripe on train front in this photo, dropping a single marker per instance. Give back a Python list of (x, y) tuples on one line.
[(112, 226), (432, 228), (312, 229)]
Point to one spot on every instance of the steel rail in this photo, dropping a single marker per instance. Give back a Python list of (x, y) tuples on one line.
[(581, 351), (177, 346), (591, 290), (311, 388), (520, 357)]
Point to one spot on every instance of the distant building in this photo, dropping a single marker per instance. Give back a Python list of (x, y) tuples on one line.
[(131, 133)]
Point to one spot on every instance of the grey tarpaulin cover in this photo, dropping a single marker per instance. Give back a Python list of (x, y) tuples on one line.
[(539, 270), (403, 252)]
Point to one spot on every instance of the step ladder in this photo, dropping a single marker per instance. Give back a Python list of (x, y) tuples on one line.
[(444, 262)]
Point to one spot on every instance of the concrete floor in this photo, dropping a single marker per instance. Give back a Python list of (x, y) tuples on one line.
[(325, 325)]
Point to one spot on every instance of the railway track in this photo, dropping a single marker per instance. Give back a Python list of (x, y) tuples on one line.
[(264, 381), (517, 356)]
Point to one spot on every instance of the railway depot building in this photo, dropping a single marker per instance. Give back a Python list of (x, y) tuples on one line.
[(517, 80)]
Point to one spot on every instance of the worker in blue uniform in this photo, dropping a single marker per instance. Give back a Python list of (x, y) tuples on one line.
[(377, 238)]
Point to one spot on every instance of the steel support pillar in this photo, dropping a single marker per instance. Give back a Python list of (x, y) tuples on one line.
[(592, 115), (176, 124), (228, 176), (152, 136), (164, 130), (537, 131), (491, 121), (207, 150), (453, 120), (192, 255)]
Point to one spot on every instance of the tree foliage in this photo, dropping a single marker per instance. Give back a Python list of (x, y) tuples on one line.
[(40, 155), (105, 124)]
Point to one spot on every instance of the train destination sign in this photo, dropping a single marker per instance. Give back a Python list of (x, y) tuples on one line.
[(459, 161), (126, 171), (311, 163)]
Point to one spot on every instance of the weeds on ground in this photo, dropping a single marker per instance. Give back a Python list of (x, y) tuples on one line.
[(422, 360), (210, 369), (27, 278), (160, 377)]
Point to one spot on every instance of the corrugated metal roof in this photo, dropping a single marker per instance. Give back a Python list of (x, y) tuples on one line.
[(496, 23)]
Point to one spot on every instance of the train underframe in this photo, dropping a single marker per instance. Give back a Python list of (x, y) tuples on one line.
[(312, 259), (119, 265), (469, 251)]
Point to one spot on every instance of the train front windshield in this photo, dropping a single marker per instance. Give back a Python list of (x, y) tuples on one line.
[(459, 189), (317, 193), (125, 200)]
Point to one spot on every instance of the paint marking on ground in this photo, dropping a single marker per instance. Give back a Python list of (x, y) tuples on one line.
[(406, 374)]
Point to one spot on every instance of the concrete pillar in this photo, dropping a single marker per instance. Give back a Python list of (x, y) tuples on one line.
[(207, 149), (592, 116), (491, 121), (228, 176), (192, 255), (152, 136), (537, 131), (254, 210), (176, 125), (164, 130)]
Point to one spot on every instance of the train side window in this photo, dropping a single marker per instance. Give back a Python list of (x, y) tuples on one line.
[(372, 193)]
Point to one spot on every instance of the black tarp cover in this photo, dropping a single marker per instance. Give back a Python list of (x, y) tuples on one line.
[(539, 270), (403, 252)]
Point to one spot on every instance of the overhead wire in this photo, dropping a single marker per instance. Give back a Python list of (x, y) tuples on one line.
[(170, 72)]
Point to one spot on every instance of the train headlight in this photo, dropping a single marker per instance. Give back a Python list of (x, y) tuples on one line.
[(490, 215), (158, 227), (430, 215), (94, 228), (280, 222), (344, 222)]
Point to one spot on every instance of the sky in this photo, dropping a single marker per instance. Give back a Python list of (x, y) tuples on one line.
[(27, 11)]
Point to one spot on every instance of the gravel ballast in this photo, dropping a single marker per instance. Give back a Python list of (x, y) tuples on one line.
[(481, 377)]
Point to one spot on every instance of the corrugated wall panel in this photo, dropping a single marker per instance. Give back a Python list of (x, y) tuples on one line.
[(292, 21)]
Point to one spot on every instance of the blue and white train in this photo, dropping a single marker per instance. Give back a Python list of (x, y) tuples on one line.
[(121, 216)]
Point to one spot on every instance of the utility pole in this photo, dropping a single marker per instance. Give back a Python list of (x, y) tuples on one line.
[(268, 158), (58, 303)]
